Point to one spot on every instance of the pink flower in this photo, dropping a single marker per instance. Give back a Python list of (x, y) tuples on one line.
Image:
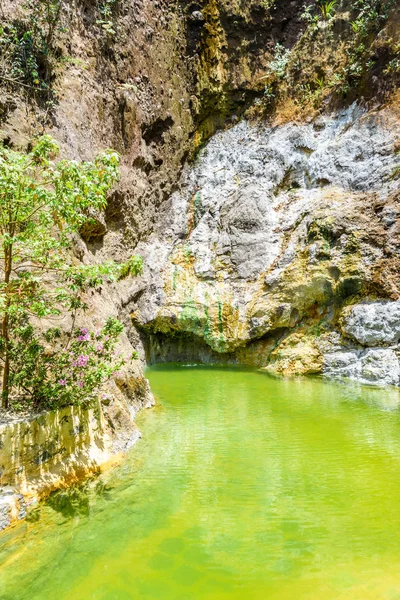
[(83, 360), (99, 347), (62, 382), (84, 331), (84, 337), (81, 384)]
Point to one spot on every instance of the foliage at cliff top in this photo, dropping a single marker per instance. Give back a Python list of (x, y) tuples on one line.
[(43, 204), (345, 51)]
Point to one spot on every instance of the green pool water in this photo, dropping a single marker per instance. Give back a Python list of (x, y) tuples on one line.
[(242, 487)]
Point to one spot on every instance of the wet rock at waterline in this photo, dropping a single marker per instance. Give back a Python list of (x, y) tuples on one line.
[(40, 453), (374, 366), (13, 507)]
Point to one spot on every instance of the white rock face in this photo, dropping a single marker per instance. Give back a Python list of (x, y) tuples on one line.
[(380, 366), (343, 363), (375, 366), (240, 185), (274, 225), (373, 324)]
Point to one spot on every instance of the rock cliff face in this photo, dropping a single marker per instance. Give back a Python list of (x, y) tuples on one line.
[(259, 177), (272, 234)]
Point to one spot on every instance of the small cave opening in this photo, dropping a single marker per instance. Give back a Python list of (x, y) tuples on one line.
[(177, 347)]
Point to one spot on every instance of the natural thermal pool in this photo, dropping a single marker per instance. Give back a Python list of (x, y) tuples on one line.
[(243, 486)]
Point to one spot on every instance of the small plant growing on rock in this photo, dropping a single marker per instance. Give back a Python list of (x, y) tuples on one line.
[(26, 46), (309, 17), (313, 12), (268, 93), (371, 16), (267, 4), (43, 204), (106, 10), (327, 8), (279, 63)]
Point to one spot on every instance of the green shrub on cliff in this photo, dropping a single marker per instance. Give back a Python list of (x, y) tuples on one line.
[(43, 205), (106, 10), (327, 8), (26, 51)]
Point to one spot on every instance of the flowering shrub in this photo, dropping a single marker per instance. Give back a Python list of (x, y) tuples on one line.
[(44, 203), (72, 371)]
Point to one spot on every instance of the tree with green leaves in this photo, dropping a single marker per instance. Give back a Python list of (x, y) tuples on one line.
[(44, 202)]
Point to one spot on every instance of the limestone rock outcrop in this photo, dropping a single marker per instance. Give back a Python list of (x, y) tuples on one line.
[(272, 239), (374, 366), (373, 323)]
